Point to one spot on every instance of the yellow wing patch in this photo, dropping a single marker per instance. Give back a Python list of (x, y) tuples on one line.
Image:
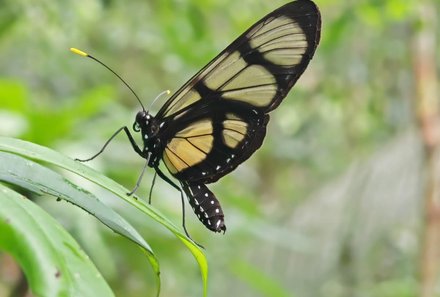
[(170, 161), (232, 116), (203, 143), (184, 100), (280, 40), (198, 128), (235, 73), (232, 138), (234, 131), (257, 96), (237, 80), (225, 71), (189, 147), (251, 76)]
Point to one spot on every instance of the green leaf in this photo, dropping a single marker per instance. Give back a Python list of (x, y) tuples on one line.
[(52, 261), (41, 180), (40, 153)]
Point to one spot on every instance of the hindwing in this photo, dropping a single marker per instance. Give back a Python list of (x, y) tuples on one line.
[(213, 143)]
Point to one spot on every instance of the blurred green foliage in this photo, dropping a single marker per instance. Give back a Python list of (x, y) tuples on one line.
[(355, 97)]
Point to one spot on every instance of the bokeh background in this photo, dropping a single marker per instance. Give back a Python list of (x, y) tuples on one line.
[(333, 204)]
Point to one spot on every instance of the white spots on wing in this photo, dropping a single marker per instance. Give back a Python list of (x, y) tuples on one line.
[(209, 222), (196, 201), (218, 224), (212, 202), (206, 194), (203, 173), (161, 124), (228, 160), (206, 215), (145, 136), (218, 167), (217, 210)]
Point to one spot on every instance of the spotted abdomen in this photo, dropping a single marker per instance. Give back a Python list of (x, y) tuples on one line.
[(206, 206)]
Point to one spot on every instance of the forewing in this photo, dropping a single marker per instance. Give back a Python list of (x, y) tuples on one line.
[(259, 67)]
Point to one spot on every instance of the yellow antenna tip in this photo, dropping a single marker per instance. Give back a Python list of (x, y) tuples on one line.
[(78, 52)]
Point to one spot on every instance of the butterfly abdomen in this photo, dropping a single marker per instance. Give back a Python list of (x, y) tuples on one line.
[(206, 206)]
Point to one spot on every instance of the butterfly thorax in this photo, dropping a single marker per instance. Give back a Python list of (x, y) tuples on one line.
[(149, 128)]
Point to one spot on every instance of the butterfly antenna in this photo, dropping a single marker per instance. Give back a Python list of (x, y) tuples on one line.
[(167, 92), (84, 54)]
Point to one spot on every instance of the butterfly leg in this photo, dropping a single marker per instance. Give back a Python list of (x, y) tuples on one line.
[(138, 182), (169, 181), (183, 221), (152, 186), (130, 138)]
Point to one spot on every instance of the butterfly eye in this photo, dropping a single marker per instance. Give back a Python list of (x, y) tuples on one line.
[(136, 127)]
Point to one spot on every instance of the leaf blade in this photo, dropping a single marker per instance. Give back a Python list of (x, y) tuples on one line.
[(52, 261), (41, 180), (40, 153)]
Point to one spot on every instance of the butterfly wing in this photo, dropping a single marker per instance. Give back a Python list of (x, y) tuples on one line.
[(218, 119), (259, 67), (214, 142)]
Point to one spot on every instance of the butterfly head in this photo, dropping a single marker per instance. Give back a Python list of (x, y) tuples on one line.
[(146, 124)]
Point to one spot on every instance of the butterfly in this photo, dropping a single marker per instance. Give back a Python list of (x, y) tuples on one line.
[(218, 119)]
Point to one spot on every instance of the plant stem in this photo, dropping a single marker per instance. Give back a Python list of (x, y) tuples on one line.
[(427, 103)]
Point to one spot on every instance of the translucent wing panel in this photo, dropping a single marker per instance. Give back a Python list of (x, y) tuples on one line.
[(234, 132), (202, 127), (259, 96), (281, 41), (238, 80), (259, 67), (185, 99), (235, 125), (189, 147), (232, 138), (249, 77), (195, 156), (229, 66)]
